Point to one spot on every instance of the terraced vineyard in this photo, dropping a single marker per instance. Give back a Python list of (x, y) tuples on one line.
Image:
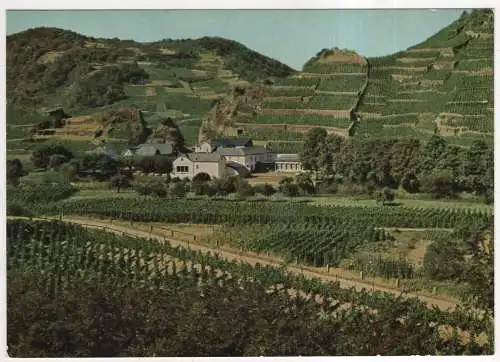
[(443, 85)]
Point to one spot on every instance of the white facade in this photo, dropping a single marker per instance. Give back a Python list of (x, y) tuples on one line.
[(188, 166), (288, 163)]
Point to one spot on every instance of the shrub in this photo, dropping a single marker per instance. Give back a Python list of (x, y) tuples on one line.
[(199, 187), (440, 185), (289, 189), (327, 188), (202, 176), (178, 189), (443, 260), (119, 182), (14, 209), (244, 189), (143, 189), (265, 189), (41, 156)]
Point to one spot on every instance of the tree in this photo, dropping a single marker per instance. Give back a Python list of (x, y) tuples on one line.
[(313, 145), (440, 185), (145, 164), (305, 183), (410, 182), (99, 165), (385, 195), (288, 188), (226, 185), (163, 164), (14, 171), (443, 260), (265, 189), (56, 160), (41, 155), (479, 270), (119, 182)]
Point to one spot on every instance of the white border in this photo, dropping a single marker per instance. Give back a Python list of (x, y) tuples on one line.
[(218, 4)]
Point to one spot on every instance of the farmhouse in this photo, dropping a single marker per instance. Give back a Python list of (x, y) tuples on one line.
[(288, 163), (192, 164)]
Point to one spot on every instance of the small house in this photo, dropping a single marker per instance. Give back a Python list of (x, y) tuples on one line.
[(192, 164)]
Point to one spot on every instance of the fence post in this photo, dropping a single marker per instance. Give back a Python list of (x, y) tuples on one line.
[(150, 228), (194, 237), (361, 275), (397, 283), (171, 233), (434, 290), (297, 260), (327, 268)]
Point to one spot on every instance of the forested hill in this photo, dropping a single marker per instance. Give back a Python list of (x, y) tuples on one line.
[(50, 66)]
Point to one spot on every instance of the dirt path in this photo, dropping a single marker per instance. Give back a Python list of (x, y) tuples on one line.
[(254, 259)]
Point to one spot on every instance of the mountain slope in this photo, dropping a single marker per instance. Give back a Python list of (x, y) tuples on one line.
[(50, 66), (443, 85), (214, 86)]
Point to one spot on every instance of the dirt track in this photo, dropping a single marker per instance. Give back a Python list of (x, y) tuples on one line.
[(254, 259)]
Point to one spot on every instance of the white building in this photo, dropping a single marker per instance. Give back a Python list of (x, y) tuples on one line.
[(288, 163), (192, 164)]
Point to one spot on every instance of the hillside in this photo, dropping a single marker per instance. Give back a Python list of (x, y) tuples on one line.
[(181, 79), (443, 85)]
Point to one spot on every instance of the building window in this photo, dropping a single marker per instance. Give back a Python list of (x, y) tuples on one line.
[(182, 169), (197, 166)]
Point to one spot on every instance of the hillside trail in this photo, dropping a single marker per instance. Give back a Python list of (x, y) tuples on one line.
[(257, 259)]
